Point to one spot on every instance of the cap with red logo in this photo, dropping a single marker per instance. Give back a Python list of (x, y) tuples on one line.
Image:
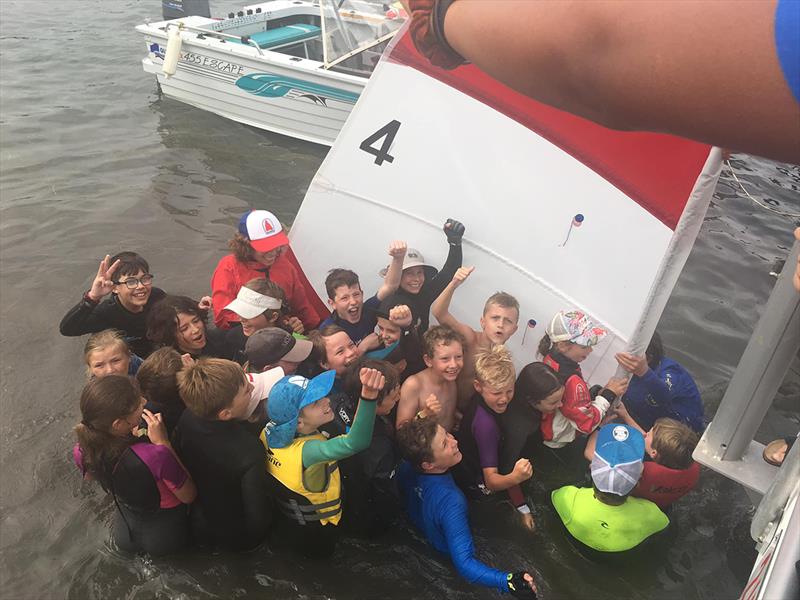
[(263, 230)]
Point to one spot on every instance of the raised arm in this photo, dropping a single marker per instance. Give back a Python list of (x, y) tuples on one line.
[(441, 306), (391, 281), (82, 318), (650, 66), (454, 231), (360, 434)]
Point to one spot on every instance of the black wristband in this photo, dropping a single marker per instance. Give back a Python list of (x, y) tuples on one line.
[(608, 394), (89, 300), (438, 13)]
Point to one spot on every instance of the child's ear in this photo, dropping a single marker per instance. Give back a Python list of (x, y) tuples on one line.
[(426, 466), (477, 385), (330, 303), (224, 414), (427, 359), (483, 322)]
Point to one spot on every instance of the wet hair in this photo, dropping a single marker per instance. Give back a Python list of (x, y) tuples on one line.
[(545, 346), (340, 277), (157, 377), (536, 382), (415, 440), (103, 339), (440, 334), (266, 287), (319, 353), (103, 401), (674, 441), (352, 379), (494, 367), (162, 322), (502, 299), (655, 351), (609, 498), (241, 248), (210, 385), (130, 264)]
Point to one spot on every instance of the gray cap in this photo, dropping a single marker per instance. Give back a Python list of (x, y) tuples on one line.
[(269, 345)]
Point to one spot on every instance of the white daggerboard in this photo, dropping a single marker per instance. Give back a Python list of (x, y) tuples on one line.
[(559, 212)]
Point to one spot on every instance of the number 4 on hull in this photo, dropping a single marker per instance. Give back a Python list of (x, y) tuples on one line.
[(388, 132)]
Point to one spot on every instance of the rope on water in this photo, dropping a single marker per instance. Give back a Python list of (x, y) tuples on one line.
[(761, 204)]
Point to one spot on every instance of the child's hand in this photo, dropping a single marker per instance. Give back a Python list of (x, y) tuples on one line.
[(461, 275), (610, 417), (372, 382), (187, 360), (527, 521), (523, 470), (617, 385), (397, 249), (400, 315), (156, 430), (296, 324), (454, 230), (103, 283), (205, 303), (432, 406), (622, 412), (370, 342), (632, 363)]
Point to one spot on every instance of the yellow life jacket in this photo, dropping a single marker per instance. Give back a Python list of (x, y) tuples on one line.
[(298, 502), (603, 527)]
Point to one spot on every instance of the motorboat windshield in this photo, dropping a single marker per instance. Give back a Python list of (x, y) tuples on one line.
[(354, 32)]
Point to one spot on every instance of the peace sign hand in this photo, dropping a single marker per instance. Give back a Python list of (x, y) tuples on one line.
[(103, 283)]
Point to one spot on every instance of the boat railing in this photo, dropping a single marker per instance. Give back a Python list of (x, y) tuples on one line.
[(728, 446), (218, 34)]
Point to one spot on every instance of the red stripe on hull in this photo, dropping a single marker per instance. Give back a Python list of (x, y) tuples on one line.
[(657, 171)]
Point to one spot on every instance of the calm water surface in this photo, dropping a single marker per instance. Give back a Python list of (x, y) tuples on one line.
[(94, 161)]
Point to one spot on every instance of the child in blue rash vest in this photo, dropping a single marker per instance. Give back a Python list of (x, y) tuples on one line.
[(346, 299), (421, 283), (480, 434), (439, 509), (660, 387), (302, 463), (125, 278)]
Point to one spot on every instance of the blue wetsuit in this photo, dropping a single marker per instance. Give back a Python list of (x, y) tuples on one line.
[(787, 42), (438, 508), (666, 391)]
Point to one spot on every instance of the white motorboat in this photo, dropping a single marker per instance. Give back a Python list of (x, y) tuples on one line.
[(294, 67)]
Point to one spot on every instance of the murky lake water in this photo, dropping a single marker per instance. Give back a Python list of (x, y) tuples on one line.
[(94, 161)]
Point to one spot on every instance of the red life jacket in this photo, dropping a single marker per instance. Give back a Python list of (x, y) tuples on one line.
[(663, 485)]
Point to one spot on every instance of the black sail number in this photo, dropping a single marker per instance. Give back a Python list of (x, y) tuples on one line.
[(387, 132)]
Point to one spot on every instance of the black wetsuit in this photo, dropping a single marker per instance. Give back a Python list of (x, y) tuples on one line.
[(372, 498), (520, 429), (87, 317), (233, 509), (420, 304)]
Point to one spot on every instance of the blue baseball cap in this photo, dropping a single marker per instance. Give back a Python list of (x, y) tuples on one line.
[(617, 463), (287, 398)]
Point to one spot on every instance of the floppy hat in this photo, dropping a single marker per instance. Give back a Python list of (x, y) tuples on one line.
[(248, 304), (287, 398), (414, 258), (263, 230), (574, 326), (617, 463), (271, 344), (262, 385)]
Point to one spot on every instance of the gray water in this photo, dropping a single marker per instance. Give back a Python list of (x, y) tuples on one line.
[(94, 161)]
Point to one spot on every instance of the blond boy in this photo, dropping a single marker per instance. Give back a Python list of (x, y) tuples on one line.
[(498, 323), (434, 390)]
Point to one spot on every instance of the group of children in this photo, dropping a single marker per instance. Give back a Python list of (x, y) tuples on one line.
[(272, 421)]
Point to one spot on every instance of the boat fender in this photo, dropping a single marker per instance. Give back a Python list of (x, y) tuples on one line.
[(173, 52)]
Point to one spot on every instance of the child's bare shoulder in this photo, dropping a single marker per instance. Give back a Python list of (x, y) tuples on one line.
[(413, 383)]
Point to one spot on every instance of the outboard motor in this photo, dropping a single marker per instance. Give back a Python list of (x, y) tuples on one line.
[(175, 9)]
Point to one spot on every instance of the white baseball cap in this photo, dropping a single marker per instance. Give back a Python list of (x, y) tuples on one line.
[(262, 384), (249, 304), (263, 229)]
